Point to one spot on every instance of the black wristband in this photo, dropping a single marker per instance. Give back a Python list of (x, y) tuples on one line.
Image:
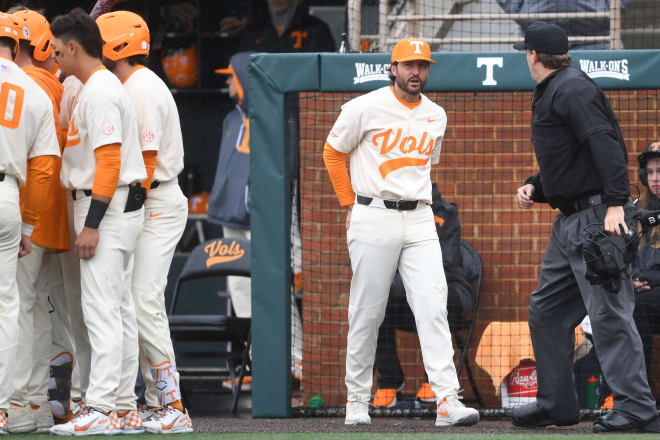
[(95, 214)]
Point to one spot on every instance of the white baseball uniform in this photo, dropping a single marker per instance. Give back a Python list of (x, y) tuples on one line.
[(27, 130), (392, 145), (69, 332), (104, 115), (165, 216)]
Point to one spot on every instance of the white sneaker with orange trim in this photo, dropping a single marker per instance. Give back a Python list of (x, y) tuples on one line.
[(357, 413), (169, 420), (90, 421), (452, 412), (131, 423), (3, 423)]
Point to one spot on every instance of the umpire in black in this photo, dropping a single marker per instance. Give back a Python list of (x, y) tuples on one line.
[(583, 173)]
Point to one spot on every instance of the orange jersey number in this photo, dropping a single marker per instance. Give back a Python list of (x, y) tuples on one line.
[(11, 104)]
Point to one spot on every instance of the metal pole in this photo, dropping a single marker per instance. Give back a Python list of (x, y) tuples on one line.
[(354, 18)]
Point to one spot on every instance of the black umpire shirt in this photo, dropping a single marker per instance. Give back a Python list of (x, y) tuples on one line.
[(578, 142)]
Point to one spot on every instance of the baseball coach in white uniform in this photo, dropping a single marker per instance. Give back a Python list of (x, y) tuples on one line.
[(392, 136)]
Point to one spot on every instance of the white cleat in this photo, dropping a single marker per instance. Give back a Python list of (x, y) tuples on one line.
[(357, 413), (20, 419), (90, 421), (452, 412), (169, 420)]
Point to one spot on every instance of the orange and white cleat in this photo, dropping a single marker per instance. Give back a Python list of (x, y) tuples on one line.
[(385, 398), (131, 423), (425, 393), (4, 429), (452, 412), (169, 420), (90, 422)]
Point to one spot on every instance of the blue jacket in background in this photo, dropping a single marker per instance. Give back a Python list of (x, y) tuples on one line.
[(229, 202)]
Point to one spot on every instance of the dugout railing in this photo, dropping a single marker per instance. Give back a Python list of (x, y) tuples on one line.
[(271, 76)]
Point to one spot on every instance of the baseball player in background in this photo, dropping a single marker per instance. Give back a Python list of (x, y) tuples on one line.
[(28, 147), (126, 47), (102, 166), (392, 136), (29, 409)]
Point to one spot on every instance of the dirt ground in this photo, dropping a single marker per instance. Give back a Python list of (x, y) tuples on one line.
[(210, 424)]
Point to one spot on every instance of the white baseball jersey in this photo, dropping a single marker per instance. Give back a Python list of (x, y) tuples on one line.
[(158, 121), (392, 146), (72, 88), (104, 115), (26, 121)]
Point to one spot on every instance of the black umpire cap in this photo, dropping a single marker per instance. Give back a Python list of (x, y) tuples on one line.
[(544, 38)]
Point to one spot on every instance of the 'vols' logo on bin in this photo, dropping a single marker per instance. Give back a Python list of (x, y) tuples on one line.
[(220, 252)]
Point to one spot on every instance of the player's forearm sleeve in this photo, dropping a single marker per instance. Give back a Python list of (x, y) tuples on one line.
[(108, 164), (150, 164), (40, 171), (335, 162)]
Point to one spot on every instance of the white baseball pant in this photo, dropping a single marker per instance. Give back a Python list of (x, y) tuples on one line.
[(32, 362), (105, 300), (10, 237), (165, 216), (380, 241), (69, 332)]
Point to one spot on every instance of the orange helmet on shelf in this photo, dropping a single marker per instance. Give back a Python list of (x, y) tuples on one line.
[(199, 203), (124, 34), (9, 29), (35, 28)]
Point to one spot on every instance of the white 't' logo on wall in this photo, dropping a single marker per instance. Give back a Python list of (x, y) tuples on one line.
[(417, 45), (489, 62)]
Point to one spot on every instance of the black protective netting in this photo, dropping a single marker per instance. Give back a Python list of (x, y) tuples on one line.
[(486, 155)]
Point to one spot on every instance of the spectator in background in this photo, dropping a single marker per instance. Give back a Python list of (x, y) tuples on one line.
[(229, 202), (287, 27), (646, 278), (572, 26), (398, 314)]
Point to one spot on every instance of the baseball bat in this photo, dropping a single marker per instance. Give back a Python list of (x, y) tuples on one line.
[(101, 7)]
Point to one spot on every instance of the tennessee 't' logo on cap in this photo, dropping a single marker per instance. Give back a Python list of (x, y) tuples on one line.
[(411, 49)]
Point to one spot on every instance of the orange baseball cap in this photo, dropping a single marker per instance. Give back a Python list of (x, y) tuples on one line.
[(411, 49)]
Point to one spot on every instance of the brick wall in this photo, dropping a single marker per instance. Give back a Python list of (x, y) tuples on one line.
[(486, 155)]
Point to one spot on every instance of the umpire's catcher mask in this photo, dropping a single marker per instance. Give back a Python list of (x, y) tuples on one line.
[(608, 256)]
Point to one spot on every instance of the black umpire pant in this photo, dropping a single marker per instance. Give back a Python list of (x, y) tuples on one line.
[(557, 306)]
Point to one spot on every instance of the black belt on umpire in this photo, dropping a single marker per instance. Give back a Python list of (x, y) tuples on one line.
[(569, 208), (88, 192), (399, 205)]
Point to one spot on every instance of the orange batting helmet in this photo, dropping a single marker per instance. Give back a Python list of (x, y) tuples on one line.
[(124, 34), (9, 29), (35, 28)]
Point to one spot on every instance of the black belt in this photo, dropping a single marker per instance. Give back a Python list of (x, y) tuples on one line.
[(154, 184), (399, 205), (87, 192), (569, 208), (2, 177)]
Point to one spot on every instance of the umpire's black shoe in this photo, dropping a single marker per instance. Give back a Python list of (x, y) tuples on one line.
[(533, 416), (615, 421)]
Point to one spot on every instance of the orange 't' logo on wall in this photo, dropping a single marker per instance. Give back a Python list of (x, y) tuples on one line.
[(406, 145), (219, 252)]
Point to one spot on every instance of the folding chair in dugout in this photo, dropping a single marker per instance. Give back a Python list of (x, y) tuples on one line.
[(215, 258), (472, 269)]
